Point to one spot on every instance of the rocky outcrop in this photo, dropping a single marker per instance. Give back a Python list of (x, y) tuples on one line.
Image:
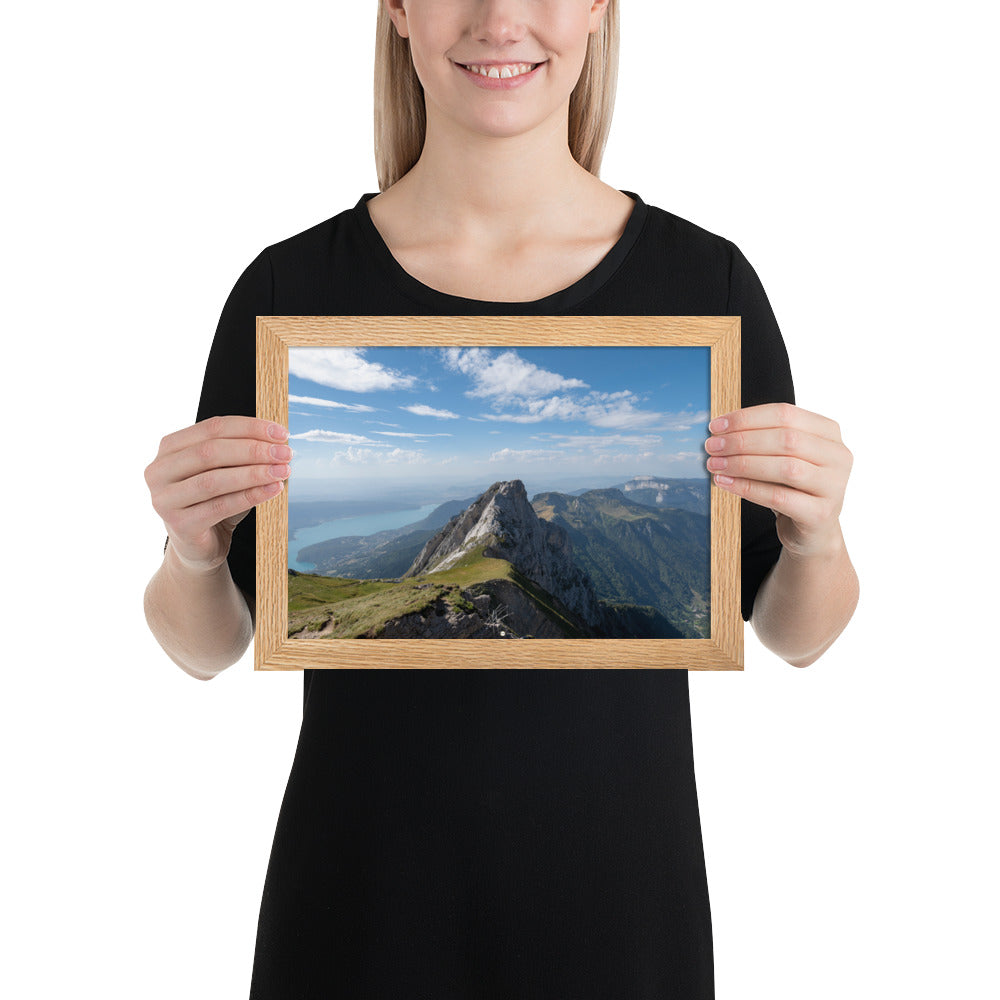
[(517, 614), (440, 620), (645, 483), (504, 523), (502, 610), (655, 491)]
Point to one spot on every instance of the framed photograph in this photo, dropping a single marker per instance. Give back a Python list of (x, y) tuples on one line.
[(498, 492)]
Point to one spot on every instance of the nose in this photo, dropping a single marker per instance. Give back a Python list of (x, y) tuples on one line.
[(499, 21)]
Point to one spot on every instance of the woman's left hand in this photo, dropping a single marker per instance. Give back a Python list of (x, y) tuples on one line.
[(790, 460)]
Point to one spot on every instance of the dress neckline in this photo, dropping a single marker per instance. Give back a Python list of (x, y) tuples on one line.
[(565, 298)]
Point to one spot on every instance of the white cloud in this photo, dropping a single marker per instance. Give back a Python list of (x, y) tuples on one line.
[(509, 418), (314, 401), (685, 421), (520, 392), (337, 437), (599, 409), (428, 411), (622, 458), (556, 408), (364, 456), (619, 412), (408, 434), (605, 440), (506, 377), (344, 368), (535, 455)]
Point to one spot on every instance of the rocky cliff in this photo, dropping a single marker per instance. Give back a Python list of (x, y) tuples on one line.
[(496, 609), (639, 554), (504, 524), (655, 491)]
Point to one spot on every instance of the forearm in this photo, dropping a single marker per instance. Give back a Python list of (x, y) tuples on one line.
[(805, 602), (201, 620)]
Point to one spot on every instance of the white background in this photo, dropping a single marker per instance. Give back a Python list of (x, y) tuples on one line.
[(152, 152)]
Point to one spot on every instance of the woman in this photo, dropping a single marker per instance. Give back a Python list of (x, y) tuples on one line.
[(494, 833)]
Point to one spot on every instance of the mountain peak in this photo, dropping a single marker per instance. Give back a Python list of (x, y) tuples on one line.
[(504, 524), (507, 488), (502, 513)]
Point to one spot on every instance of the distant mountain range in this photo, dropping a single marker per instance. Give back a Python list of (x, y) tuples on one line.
[(602, 564), (639, 554), (652, 491)]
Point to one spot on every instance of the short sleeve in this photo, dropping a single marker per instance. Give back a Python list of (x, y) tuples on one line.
[(766, 378), (229, 387)]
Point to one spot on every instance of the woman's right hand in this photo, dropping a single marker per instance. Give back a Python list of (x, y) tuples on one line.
[(206, 478)]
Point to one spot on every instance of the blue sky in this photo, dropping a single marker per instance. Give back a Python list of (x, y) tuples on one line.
[(418, 414)]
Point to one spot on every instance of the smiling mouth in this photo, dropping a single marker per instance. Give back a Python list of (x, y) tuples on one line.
[(503, 72)]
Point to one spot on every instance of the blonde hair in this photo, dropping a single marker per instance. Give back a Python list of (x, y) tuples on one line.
[(401, 121)]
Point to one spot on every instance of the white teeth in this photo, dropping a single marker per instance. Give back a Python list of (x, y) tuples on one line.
[(502, 72)]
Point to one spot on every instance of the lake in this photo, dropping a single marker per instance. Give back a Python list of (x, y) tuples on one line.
[(365, 524)]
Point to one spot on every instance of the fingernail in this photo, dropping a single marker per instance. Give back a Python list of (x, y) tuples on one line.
[(718, 425), (278, 432), (715, 444), (717, 463), (724, 480)]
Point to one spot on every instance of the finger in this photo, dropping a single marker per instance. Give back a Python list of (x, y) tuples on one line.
[(191, 522), (776, 415), (803, 508), (776, 469), (778, 441), (232, 426), (214, 453), (214, 483)]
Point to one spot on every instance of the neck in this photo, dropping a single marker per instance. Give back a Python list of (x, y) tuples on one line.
[(483, 186)]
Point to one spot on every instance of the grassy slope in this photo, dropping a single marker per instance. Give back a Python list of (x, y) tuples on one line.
[(358, 606)]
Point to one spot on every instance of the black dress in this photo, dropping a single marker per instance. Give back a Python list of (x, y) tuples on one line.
[(481, 834)]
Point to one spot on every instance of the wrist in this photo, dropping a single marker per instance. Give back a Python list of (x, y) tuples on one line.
[(826, 546), (184, 570)]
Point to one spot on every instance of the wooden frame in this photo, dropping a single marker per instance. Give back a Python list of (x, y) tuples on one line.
[(273, 650)]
